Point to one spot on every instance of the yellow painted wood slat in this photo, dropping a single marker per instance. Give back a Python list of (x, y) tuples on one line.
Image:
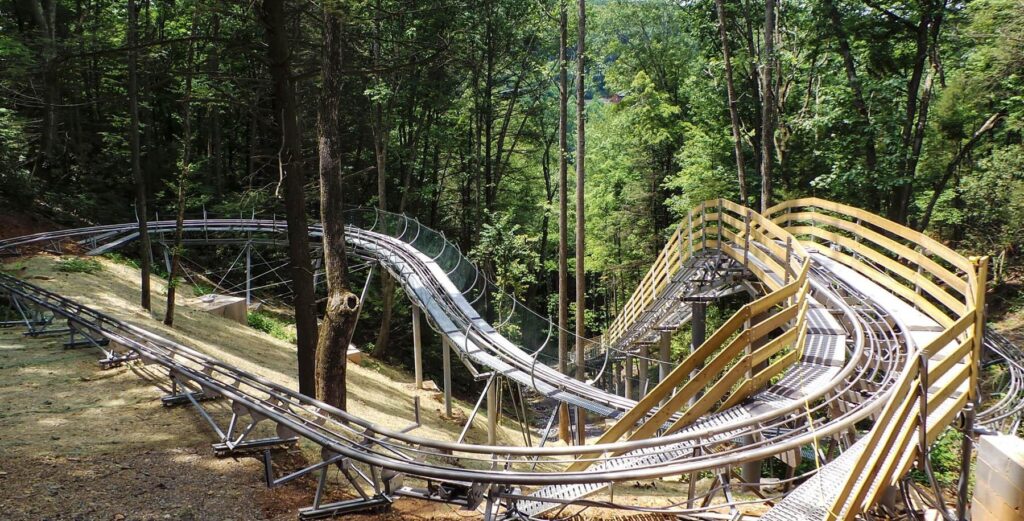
[(775, 321), (777, 344), (956, 329), (708, 400), (960, 355), (929, 243), (889, 410), (708, 373), (886, 281), (666, 386), (877, 453), (897, 248), (902, 441), (758, 381), (954, 303)]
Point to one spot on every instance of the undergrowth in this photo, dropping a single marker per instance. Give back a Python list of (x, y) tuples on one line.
[(271, 326), (200, 289), (119, 258), (79, 265)]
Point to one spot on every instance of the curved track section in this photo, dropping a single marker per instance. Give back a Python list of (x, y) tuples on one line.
[(849, 325)]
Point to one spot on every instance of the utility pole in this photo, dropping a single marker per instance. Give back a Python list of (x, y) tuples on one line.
[(581, 285), (563, 210)]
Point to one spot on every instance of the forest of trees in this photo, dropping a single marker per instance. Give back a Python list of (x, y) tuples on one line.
[(448, 110)]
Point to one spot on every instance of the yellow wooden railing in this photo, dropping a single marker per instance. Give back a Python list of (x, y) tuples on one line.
[(939, 377), (757, 343)]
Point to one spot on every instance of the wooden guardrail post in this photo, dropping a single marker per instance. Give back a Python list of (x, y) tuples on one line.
[(981, 272), (720, 238), (789, 258), (689, 230), (703, 227), (746, 238)]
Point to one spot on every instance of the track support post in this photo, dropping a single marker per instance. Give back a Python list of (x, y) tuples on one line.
[(446, 354), (981, 268), (417, 345), (492, 411)]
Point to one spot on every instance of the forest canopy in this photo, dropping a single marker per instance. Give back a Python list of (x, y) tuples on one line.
[(449, 112)]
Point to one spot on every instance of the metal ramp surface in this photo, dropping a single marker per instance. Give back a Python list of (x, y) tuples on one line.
[(811, 500), (821, 362)]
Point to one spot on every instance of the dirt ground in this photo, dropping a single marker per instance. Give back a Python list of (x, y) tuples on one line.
[(78, 442)]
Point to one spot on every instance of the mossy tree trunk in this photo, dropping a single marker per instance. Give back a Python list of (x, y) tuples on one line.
[(342, 305)]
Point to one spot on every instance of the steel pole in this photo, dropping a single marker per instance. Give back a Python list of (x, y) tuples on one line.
[(417, 346)]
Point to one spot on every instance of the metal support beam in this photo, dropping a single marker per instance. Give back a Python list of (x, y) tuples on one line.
[(492, 412), (966, 448), (628, 376), (642, 370), (751, 470), (417, 346), (664, 355), (698, 333), (446, 354), (248, 275)]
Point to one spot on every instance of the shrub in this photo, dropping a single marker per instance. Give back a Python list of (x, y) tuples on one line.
[(118, 258), (200, 289), (79, 265), (270, 326)]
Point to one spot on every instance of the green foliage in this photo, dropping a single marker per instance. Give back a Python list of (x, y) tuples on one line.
[(15, 180), (79, 265), (512, 254), (199, 289), (701, 177), (989, 206), (12, 266), (271, 326), (370, 363), (945, 459), (119, 258)]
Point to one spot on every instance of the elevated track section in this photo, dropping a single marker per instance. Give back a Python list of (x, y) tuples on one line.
[(861, 343)]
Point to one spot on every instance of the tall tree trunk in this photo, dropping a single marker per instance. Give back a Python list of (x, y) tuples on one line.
[(870, 153), (145, 248), (183, 176), (44, 13), (581, 142), (488, 111), (734, 116), (901, 193), (563, 210), (342, 305), (381, 137), (216, 135), (285, 114), (951, 167), (767, 104)]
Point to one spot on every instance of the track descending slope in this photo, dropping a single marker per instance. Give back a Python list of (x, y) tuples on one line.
[(852, 325)]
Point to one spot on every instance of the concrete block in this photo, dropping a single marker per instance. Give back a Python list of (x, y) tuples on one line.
[(354, 355), (999, 480), (980, 513), (231, 308)]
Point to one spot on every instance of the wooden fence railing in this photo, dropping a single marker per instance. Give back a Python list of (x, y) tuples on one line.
[(941, 375), (757, 343)]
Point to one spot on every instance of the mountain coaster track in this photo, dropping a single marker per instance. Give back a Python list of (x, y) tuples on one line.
[(862, 320)]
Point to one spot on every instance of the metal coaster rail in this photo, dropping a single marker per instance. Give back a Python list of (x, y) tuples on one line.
[(818, 353)]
